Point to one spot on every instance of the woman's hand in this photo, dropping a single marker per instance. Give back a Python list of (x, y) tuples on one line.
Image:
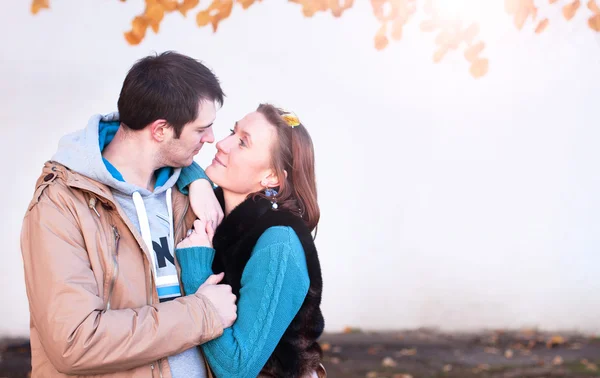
[(204, 202), (200, 236)]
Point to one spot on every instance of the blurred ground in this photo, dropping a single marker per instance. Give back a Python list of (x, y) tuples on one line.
[(426, 353), (423, 353)]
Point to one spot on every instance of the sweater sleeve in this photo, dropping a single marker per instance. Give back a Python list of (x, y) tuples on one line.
[(188, 175), (273, 287)]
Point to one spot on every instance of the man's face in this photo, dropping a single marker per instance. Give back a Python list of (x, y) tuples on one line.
[(180, 152)]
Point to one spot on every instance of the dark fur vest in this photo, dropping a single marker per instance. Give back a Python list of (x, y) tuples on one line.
[(298, 352)]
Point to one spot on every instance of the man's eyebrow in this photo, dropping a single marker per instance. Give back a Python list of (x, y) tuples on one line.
[(206, 127)]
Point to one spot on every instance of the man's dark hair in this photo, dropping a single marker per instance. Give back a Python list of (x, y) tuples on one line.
[(167, 86)]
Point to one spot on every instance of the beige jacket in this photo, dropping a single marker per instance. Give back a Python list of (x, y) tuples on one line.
[(93, 303)]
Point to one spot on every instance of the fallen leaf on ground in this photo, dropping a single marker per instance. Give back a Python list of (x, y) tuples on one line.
[(555, 341), (388, 362), (407, 352), (588, 365)]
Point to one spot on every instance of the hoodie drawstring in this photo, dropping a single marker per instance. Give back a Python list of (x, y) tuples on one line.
[(140, 209)]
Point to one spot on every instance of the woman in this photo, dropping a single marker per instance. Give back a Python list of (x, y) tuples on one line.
[(265, 173)]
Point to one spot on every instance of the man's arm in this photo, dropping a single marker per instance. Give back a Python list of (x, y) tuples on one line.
[(78, 335)]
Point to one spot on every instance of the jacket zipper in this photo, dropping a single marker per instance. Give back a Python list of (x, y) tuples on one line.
[(180, 223), (159, 370), (115, 266)]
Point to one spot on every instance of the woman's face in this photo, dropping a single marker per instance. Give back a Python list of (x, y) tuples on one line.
[(242, 163)]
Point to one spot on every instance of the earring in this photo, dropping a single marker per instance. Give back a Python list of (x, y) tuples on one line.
[(272, 193)]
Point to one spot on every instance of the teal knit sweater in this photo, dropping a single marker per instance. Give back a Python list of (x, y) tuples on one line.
[(273, 287)]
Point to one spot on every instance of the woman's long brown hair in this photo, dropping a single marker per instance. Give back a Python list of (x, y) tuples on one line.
[(293, 153)]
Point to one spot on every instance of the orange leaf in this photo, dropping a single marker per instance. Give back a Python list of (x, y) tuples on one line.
[(381, 40), (473, 51), (552, 1), (38, 5), (542, 26), (593, 6), (569, 10), (512, 6), (444, 38), (439, 54), (594, 22), (397, 30), (521, 17), (187, 5), (169, 5), (479, 68), (154, 15), (139, 26), (132, 38), (245, 3), (203, 18), (470, 33)]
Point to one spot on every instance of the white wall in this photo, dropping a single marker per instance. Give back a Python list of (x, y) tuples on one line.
[(446, 201)]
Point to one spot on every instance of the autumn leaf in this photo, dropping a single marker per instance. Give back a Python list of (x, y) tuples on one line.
[(593, 6), (555, 341), (470, 33), (187, 5), (569, 10), (594, 22), (203, 18), (381, 40), (38, 5), (439, 54), (521, 17), (169, 5), (245, 3), (542, 26), (154, 14), (512, 6), (479, 68), (473, 51)]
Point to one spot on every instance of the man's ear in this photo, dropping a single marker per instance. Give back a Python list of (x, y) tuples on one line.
[(160, 130)]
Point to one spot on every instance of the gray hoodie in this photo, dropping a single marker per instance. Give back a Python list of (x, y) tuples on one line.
[(150, 211)]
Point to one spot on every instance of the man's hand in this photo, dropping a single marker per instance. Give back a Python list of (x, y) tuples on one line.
[(221, 297), (204, 202)]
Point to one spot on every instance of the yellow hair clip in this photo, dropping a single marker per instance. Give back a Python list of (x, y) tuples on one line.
[(291, 119)]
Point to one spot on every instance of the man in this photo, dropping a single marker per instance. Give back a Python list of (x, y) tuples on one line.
[(99, 234)]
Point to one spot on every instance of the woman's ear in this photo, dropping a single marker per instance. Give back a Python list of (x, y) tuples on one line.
[(270, 180)]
